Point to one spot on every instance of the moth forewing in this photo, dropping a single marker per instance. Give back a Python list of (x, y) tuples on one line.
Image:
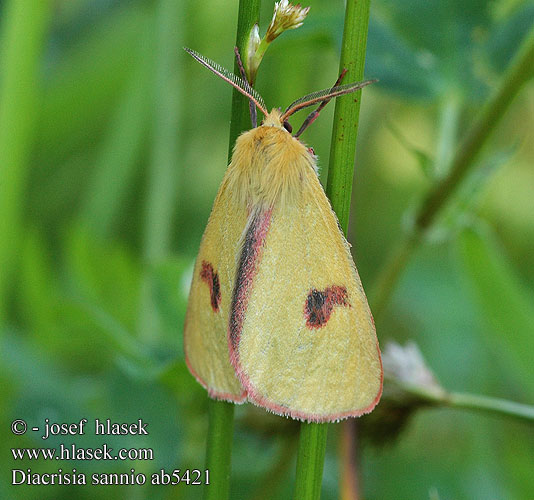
[(206, 323)]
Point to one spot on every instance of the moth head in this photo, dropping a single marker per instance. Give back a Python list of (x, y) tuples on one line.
[(276, 118)]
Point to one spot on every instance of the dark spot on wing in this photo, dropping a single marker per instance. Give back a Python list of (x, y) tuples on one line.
[(319, 305), (209, 276)]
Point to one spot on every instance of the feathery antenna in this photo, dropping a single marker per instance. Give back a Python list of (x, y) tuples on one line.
[(323, 95), (238, 83), (314, 114)]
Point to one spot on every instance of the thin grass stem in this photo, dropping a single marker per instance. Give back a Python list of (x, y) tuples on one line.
[(221, 414), (312, 443), (219, 449), (478, 402), (491, 405), (310, 461)]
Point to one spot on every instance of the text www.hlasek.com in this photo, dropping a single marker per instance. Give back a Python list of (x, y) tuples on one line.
[(72, 452)]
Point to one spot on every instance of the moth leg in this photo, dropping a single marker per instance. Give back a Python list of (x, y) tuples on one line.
[(314, 114), (251, 105)]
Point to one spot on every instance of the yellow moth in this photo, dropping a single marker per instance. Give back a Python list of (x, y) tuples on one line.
[(277, 314)]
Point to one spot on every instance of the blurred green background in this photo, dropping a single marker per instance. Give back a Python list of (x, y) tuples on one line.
[(112, 144)]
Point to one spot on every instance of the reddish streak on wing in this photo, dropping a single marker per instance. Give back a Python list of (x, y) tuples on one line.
[(319, 305), (208, 275), (246, 272)]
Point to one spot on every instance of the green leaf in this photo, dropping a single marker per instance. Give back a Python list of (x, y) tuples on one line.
[(412, 55), (462, 207), (57, 325), (425, 161), (171, 290), (83, 85), (84, 82), (104, 273), (24, 28), (507, 36), (37, 286), (114, 170), (398, 67), (504, 302)]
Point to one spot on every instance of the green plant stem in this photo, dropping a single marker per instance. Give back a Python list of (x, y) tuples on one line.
[(219, 449), (347, 111), (519, 71), (310, 461), (161, 191), (448, 131), (491, 405), (24, 27), (248, 15), (221, 414), (312, 444), (477, 402)]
